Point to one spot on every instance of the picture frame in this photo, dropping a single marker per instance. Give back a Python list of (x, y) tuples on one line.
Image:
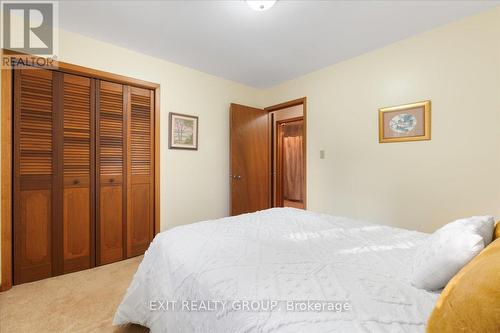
[(182, 131), (403, 123)]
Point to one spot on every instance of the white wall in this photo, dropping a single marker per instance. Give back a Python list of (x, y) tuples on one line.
[(416, 185)]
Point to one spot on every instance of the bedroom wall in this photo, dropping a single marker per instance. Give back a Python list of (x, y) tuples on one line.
[(415, 185)]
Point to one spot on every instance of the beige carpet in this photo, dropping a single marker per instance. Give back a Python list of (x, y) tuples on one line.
[(79, 302)]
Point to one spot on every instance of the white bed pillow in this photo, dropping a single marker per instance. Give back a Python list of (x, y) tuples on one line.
[(482, 225), (448, 249)]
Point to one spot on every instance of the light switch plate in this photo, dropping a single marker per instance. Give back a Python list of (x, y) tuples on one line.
[(322, 154)]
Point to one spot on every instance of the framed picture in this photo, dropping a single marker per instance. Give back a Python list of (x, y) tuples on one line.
[(409, 122), (182, 131)]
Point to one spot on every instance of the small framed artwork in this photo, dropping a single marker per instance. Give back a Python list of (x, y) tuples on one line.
[(409, 122), (182, 131)]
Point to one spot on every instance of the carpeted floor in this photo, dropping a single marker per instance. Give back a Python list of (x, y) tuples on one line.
[(79, 302)]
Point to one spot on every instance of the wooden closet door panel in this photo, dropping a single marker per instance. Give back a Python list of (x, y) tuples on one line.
[(33, 169), (139, 227), (111, 163), (76, 227), (33, 242), (111, 223), (78, 193), (140, 223)]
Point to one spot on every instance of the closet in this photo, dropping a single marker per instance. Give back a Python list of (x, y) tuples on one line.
[(83, 172)]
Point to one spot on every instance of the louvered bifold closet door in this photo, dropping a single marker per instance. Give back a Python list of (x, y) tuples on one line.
[(78, 192), (111, 172), (33, 174), (140, 171)]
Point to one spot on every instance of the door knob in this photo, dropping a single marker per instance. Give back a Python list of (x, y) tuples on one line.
[(237, 177)]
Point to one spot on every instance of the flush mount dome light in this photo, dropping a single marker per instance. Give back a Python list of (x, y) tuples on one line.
[(261, 5)]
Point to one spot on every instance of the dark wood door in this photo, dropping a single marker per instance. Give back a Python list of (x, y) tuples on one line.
[(140, 181), (34, 173), (78, 158), (111, 172), (250, 159)]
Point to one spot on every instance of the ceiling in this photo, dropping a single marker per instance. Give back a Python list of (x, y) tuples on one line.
[(260, 49)]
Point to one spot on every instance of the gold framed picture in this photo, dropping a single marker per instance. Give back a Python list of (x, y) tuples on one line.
[(408, 122), (182, 131)]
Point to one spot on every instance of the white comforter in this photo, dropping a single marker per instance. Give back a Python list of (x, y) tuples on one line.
[(279, 254)]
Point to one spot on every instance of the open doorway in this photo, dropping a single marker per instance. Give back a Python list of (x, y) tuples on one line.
[(259, 178), (288, 150)]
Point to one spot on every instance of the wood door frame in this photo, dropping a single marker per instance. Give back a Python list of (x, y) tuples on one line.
[(7, 92), (278, 200), (299, 101)]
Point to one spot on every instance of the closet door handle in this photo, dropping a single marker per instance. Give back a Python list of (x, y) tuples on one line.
[(111, 180), (76, 182)]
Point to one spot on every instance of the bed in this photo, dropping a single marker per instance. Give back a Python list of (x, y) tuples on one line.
[(283, 255)]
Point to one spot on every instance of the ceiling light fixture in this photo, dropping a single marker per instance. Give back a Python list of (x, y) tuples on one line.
[(260, 5)]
